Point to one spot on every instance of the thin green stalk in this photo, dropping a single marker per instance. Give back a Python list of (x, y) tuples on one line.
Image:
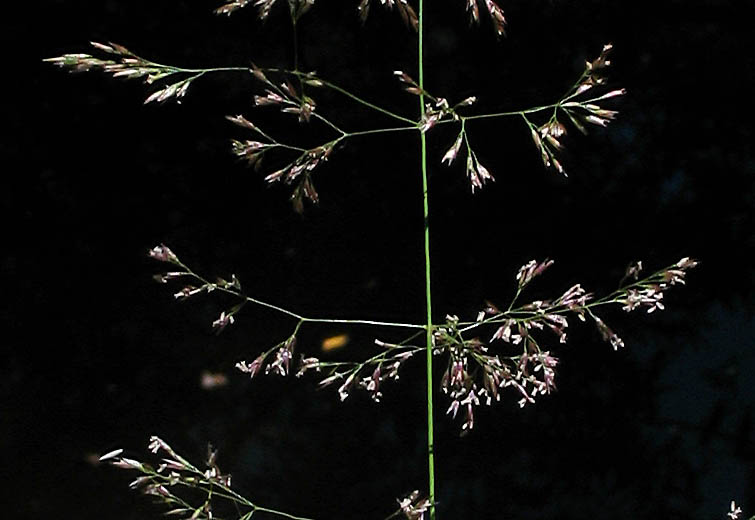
[(428, 292)]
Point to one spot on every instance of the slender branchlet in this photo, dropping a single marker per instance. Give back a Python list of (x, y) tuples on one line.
[(195, 284), (580, 110)]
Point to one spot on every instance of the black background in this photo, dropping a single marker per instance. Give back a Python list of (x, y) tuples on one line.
[(98, 356)]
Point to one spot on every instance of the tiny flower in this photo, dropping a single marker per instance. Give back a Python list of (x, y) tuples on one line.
[(178, 511), (484, 174), (343, 391), (530, 270), (310, 363), (596, 120), (496, 15), (477, 173), (429, 120), (303, 110), (735, 511), (281, 362), (103, 47), (163, 278), (156, 444), (546, 363), (163, 254), (611, 94), (412, 507), (188, 291), (674, 276), (277, 175), (403, 76), (471, 100), (110, 455), (271, 98), (139, 482), (494, 11), (453, 151), (457, 372), (330, 379), (408, 15), (504, 331), (252, 368), (553, 128), (372, 384), (175, 90), (686, 263), (242, 121), (125, 463), (157, 489), (469, 421), (230, 7), (171, 464), (222, 322), (602, 60), (453, 408), (633, 270), (608, 334)]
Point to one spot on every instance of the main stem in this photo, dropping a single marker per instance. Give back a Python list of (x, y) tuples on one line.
[(428, 293)]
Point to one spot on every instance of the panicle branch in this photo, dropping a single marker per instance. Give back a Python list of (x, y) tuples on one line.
[(278, 359), (283, 94), (125, 64), (547, 137), (579, 111), (475, 374), (298, 171), (233, 287), (169, 480), (189, 492)]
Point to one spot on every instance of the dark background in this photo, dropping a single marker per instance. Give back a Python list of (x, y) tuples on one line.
[(98, 356)]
